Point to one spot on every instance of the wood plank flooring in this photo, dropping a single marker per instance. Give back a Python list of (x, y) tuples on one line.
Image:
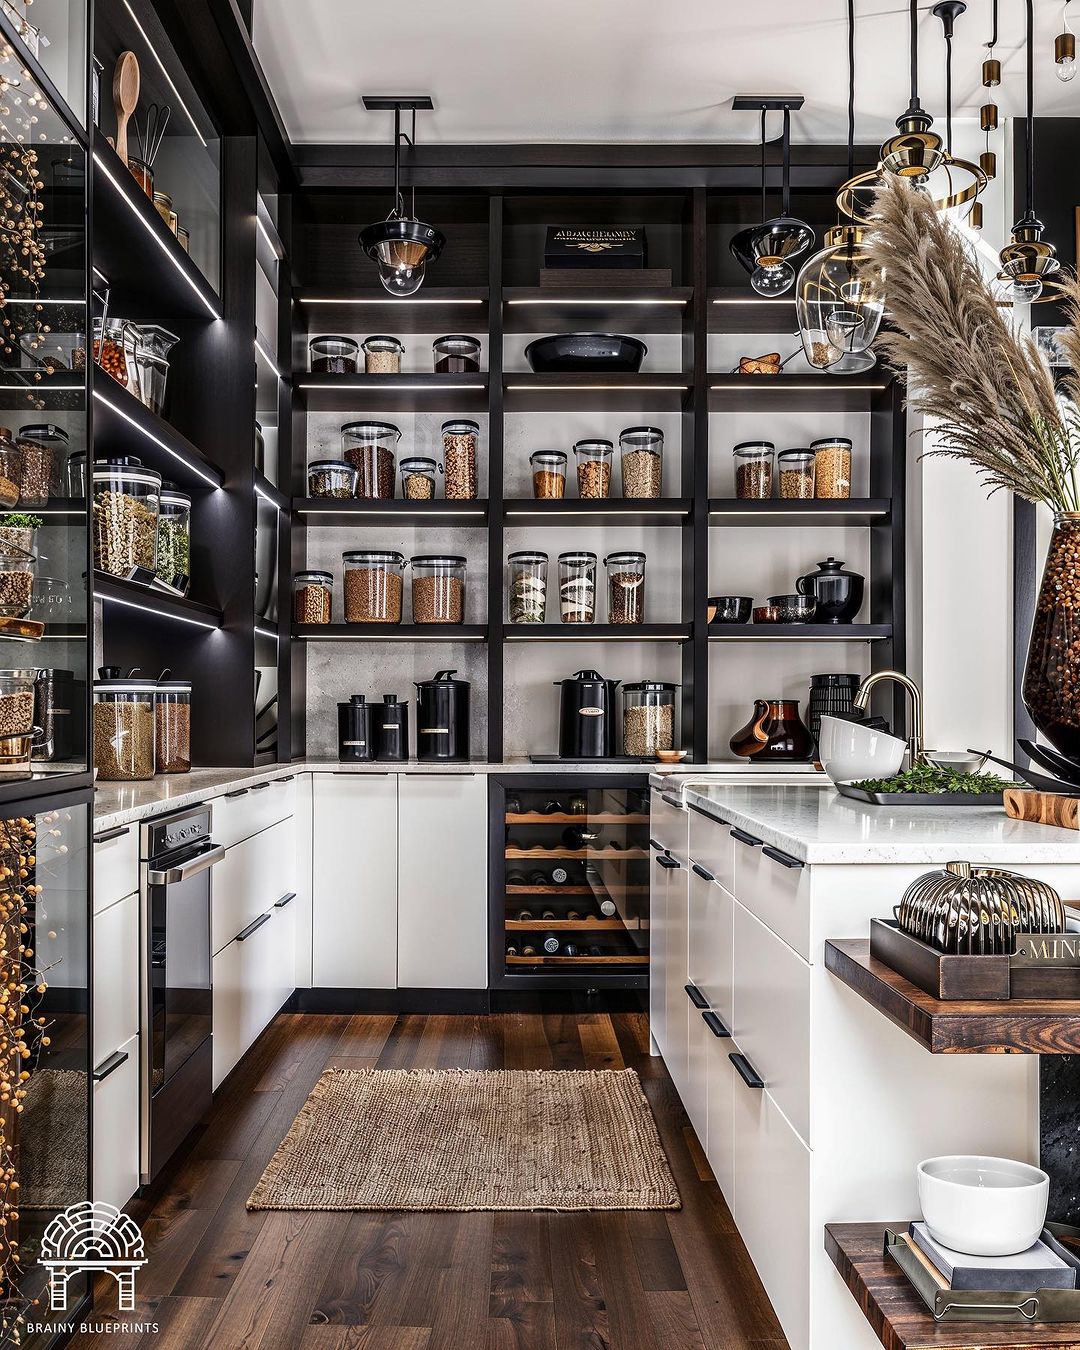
[(220, 1278)]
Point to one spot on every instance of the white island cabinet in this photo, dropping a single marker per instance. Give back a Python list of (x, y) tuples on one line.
[(811, 1106)]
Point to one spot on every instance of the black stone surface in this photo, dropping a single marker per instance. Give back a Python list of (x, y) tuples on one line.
[(1059, 1134)]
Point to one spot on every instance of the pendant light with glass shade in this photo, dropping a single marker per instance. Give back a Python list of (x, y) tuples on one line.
[(768, 250), (841, 296), (401, 245), (1029, 262)]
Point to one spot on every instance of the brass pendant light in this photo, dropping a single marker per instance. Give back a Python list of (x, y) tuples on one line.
[(988, 113), (1065, 49)]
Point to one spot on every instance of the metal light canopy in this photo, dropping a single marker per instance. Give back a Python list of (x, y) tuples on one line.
[(401, 245)]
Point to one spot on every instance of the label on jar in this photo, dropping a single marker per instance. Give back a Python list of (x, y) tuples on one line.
[(361, 744)]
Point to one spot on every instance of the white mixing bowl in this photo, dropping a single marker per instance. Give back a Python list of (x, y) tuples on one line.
[(983, 1206), (849, 751)]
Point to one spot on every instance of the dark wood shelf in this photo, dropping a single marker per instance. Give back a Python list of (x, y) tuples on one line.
[(592, 309), (597, 632), (436, 310), (607, 511), (123, 425), (796, 393), (136, 251), (966, 1027), (393, 393), (800, 632), (898, 1316), (337, 511), (613, 391), (738, 309), (607, 854), (154, 604), (792, 511), (270, 492), (613, 959), (391, 632), (565, 925)]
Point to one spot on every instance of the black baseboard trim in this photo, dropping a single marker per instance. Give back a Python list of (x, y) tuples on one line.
[(435, 1001)]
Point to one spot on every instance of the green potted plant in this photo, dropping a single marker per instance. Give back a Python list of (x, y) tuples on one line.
[(17, 531)]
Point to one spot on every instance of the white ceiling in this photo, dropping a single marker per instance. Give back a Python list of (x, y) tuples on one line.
[(507, 71)]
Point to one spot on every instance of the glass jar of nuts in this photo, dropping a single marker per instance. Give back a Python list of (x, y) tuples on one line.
[(313, 594), (593, 468), (382, 355), (795, 469), (753, 469), (418, 478), (642, 451), (370, 448), (832, 467), (16, 702), (16, 583), (548, 474), (41, 448), (110, 341), (459, 458)]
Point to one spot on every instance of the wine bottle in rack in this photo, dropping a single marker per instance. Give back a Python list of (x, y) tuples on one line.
[(524, 916), (608, 908), (548, 914), (574, 915), (551, 943), (516, 878), (560, 875), (529, 949), (538, 878), (571, 950), (511, 950)]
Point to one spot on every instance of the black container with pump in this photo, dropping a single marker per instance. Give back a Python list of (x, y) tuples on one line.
[(354, 729), (587, 716), (390, 728), (442, 717)]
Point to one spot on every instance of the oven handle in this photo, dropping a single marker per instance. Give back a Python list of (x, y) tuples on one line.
[(171, 875)]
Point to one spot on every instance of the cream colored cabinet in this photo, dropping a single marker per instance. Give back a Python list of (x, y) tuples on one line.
[(252, 979), (116, 1050), (249, 879), (116, 864)]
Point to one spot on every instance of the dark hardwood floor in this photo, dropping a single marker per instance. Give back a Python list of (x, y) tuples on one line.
[(221, 1278)]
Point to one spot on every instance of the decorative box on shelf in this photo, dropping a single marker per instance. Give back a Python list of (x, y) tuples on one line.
[(590, 246)]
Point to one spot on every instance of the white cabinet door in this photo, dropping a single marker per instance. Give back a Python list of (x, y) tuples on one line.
[(709, 949), (116, 1125), (354, 881), (720, 1122), (659, 893), (116, 864), (229, 1010), (116, 976), (698, 1050), (251, 877), (442, 884), (678, 1007)]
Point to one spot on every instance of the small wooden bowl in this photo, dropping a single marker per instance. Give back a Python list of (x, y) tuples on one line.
[(671, 756)]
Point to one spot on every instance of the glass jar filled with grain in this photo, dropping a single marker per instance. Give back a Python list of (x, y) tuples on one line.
[(418, 478), (527, 586), (577, 587), (373, 585), (832, 466), (382, 355), (313, 595), (626, 587), (593, 468), (648, 717), (331, 478), (642, 452), (16, 583), (370, 447), (123, 727), (172, 726), (330, 354), (795, 469), (438, 589), (459, 441), (42, 450), (174, 538), (9, 469), (16, 702), (548, 474), (753, 469), (127, 500)]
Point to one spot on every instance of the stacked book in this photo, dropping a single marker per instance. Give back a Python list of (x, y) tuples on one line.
[(1046, 1265)]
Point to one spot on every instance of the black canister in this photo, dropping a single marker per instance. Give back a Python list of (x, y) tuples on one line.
[(830, 696), (442, 717), (354, 729), (391, 728), (587, 716), (56, 715)]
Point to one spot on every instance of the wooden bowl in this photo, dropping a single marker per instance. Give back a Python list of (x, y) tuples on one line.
[(671, 756)]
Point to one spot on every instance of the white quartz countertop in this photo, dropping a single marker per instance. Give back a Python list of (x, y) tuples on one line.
[(819, 826)]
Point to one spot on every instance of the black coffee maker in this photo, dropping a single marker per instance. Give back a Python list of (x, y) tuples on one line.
[(442, 717), (587, 716)]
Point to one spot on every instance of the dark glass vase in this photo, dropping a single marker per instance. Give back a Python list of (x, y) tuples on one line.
[(1052, 674)]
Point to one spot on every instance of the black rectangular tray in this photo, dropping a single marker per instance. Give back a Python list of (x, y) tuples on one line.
[(919, 798)]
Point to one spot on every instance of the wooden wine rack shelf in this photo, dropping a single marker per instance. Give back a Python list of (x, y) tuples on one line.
[(602, 818), (577, 960), (599, 855), (565, 925), (613, 890)]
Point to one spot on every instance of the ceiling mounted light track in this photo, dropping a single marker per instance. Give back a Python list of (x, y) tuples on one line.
[(767, 251), (401, 245)]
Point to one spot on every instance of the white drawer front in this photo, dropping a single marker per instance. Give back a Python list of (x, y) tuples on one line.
[(116, 1128), (116, 976), (778, 895), (240, 814), (668, 825), (710, 949), (712, 846), (249, 879), (721, 1084), (229, 1008), (696, 1097), (772, 1015), (116, 865)]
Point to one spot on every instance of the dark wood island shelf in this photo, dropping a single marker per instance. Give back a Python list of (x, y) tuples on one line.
[(1010, 1026)]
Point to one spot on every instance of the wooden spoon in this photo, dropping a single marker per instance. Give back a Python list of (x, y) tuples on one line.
[(125, 89)]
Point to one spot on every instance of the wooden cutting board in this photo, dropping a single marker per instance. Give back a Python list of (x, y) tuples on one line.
[(1043, 808)]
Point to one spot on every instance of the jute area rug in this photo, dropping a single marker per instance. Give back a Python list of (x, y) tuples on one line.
[(469, 1140)]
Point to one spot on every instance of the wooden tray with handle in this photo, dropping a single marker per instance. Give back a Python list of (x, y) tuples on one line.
[(1043, 808)]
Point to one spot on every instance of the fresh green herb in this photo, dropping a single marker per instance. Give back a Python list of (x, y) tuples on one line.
[(18, 520), (928, 778)]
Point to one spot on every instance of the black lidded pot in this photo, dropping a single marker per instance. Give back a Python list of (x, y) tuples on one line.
[(390, 727), (587, 716), (442, 717), (354, 730), (839, 594)]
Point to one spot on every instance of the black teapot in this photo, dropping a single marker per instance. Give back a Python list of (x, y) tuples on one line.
[(839, 594)]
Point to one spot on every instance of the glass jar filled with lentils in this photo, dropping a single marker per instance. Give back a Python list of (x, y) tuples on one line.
[(331, 478), (548, 474), (16, 702), (382, 355), (172, 726), (370, 447), (9, 469), (127, 498), (626, 587), (438, 589), (313, 594), (459, 440), (418, 478), (753, 469), (593, 468)]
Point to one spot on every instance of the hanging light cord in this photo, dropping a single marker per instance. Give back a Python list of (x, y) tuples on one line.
[(913, 41), (994, 36), (786, 208), (1030, 108), (764, 211), (851, 89), (1065, 17), (948, 87)]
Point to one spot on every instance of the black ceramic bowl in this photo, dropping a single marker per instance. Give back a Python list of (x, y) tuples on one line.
[(585, 351), (729, 608)]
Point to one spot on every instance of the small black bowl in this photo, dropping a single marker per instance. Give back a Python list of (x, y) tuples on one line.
[(585, 351), (729, 608)]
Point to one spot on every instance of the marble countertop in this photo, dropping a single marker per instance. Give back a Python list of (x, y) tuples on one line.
[(820, 826)]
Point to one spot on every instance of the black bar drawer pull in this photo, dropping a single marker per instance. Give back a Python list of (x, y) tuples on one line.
[(701, 872), (715, 1025), (696, 997), (240, 792), (285, 900), (287, 779), (746, 1071), (784, 859), (109, 1065), (106, 835), (258, 787), (655, 843), (665, 861), (745, 838), (257, 923)]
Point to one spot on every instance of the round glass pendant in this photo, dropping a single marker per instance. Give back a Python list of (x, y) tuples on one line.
[(401, 248), (767, 251), (840, 299), (1028, 263)]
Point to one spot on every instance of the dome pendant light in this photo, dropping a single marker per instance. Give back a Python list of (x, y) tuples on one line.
[(1028, 262), (767, 250), (401, 245)]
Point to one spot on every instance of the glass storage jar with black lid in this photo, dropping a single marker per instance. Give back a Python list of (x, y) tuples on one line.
[(313, 594), (174, 538), (127, 498), (753, 469), (626, 587), (795, 470), (333, 355), (648, 717), (373, 585), (459, 440), (370, 447), (577, 587), (642, 452), (832, 467), (42, 450), (16, 583), (331, 478), (123, 727), (438, 588), (593, 468), (382, 355), (9, 469), (527, 586), (172, 725), (548, 474), (456, 354), (16, 702), (418, 478)]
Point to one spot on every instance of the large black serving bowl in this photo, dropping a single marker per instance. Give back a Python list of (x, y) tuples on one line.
[(585, 351)]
